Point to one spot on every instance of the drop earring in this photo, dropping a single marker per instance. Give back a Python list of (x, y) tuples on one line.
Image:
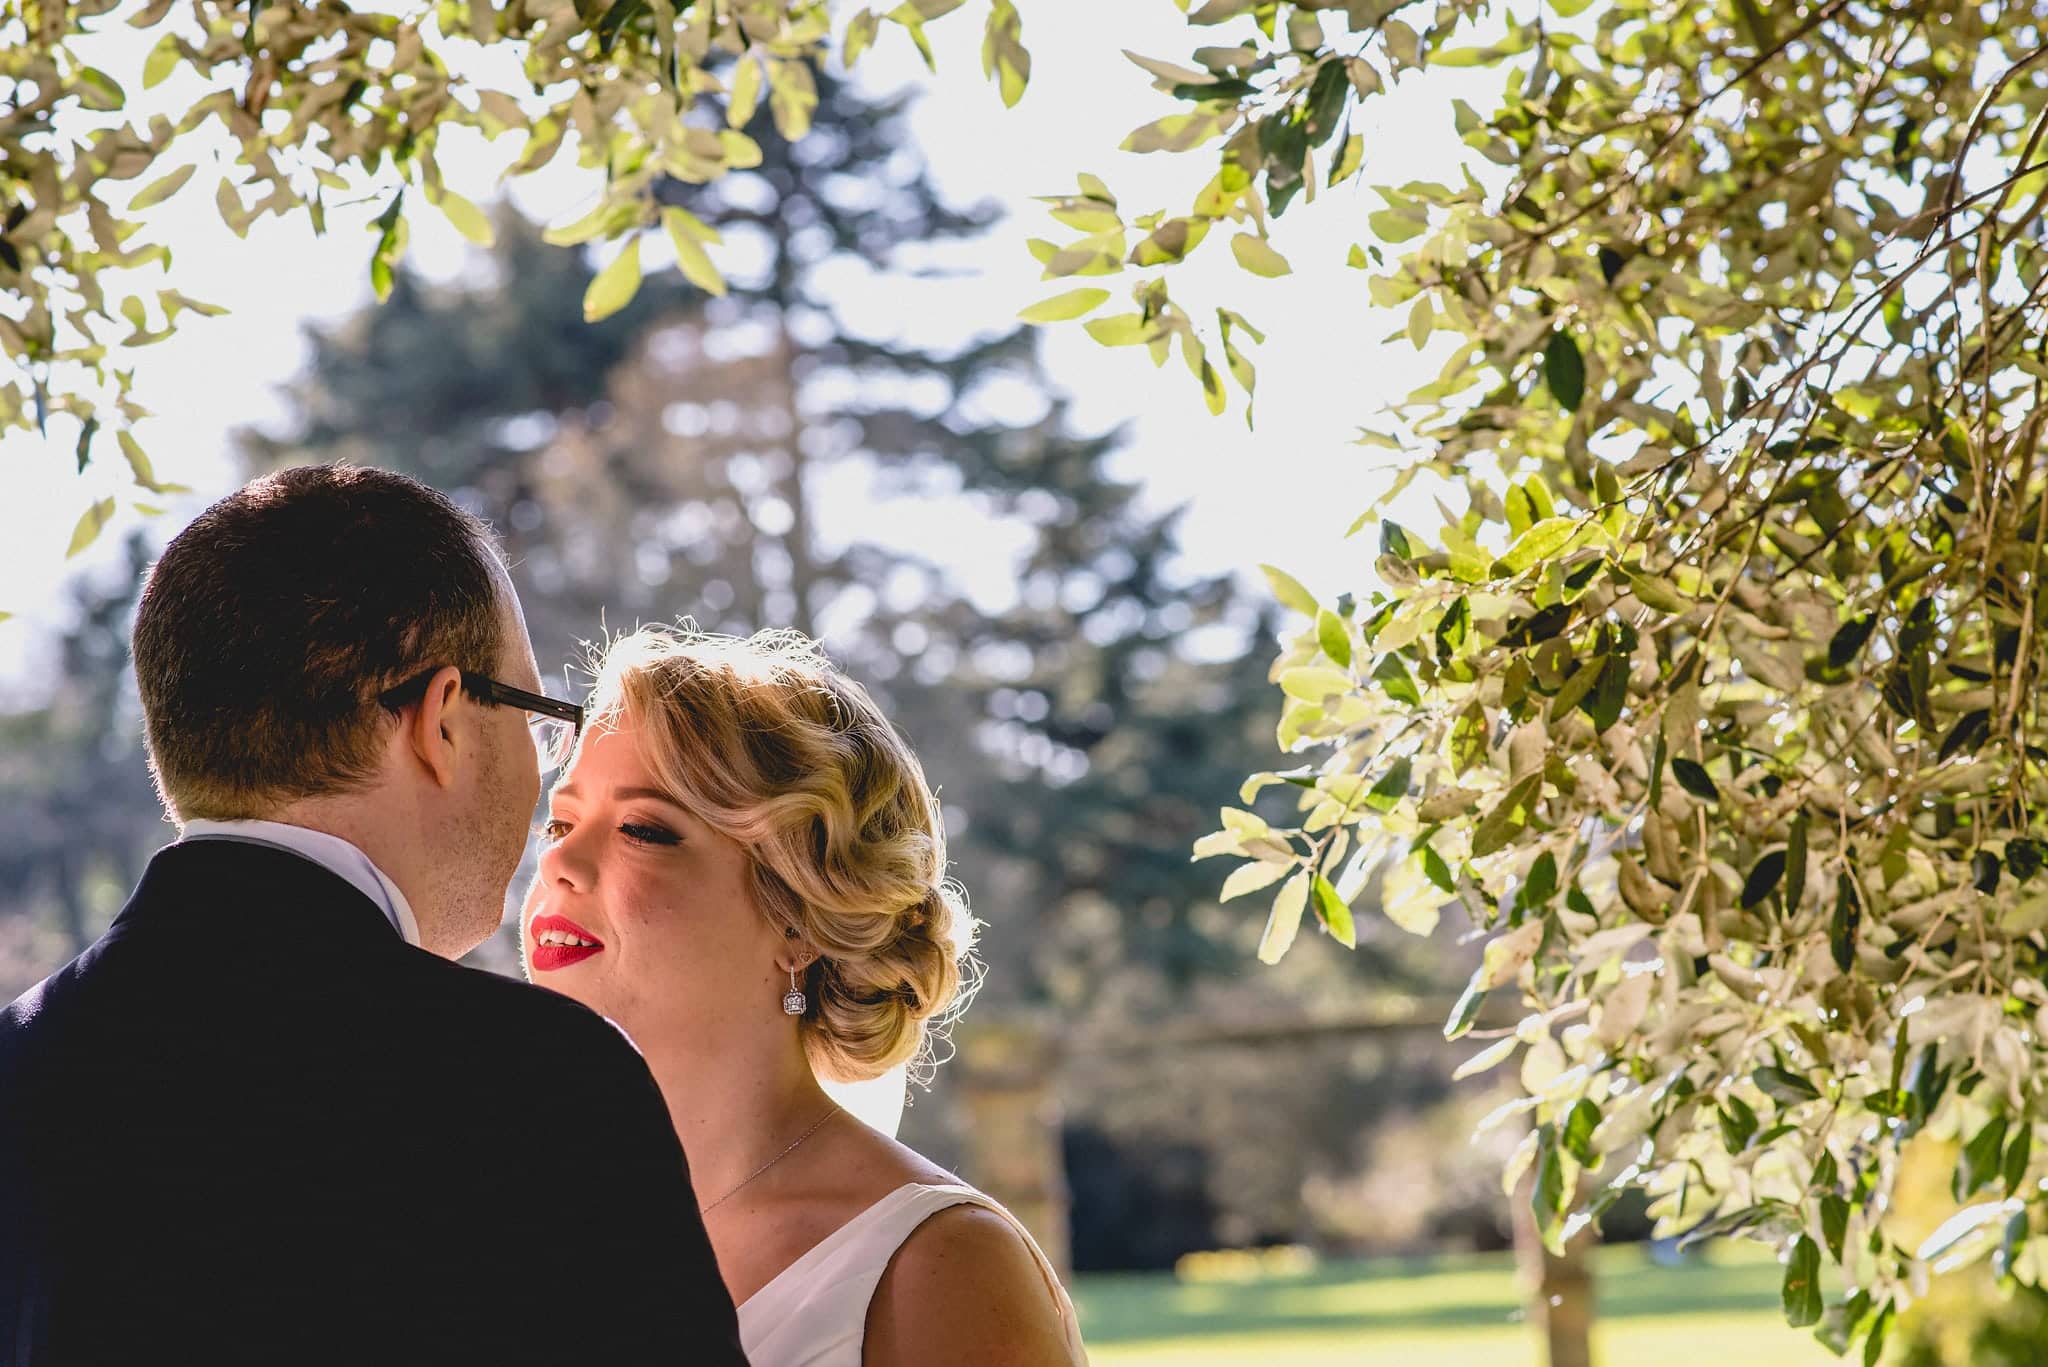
[(794, 1002)]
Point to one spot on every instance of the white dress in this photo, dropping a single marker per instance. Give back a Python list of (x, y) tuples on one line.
[(814, 1314)]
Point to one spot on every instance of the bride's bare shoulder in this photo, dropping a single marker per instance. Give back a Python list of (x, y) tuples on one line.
[(965, 1287), (869, 1165)]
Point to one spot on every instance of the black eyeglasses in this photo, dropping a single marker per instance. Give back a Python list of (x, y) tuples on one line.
[(555, 724)]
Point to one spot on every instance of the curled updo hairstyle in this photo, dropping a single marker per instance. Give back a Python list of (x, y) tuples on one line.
[(768, 744)]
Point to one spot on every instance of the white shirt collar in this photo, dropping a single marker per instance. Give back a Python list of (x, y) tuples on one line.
[(330, 852)]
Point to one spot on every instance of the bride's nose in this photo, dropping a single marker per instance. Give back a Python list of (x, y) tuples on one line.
[(564, 864)]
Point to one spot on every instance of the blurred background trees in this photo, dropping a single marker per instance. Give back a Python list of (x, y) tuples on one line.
[(1083, 700)]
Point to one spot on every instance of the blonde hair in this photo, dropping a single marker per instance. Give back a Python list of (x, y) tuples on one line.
[(768, 744)]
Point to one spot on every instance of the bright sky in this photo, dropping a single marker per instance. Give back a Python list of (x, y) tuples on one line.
[(1324, 369)]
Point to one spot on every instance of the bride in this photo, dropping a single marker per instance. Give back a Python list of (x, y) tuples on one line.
[(744, 868)]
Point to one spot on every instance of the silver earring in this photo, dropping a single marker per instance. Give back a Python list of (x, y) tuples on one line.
[(794, 1002)]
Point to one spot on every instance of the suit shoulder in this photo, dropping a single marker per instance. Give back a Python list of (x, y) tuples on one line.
[(519, 1014)]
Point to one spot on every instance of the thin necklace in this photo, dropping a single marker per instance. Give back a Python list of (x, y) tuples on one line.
[(816, 1125)]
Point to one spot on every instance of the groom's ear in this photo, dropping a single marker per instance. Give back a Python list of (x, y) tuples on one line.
[(428, 733)]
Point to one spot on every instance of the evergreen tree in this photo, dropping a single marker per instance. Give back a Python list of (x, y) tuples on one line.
[(671, 460)]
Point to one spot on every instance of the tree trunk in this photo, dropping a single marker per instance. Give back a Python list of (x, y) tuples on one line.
[(1558, 1291)]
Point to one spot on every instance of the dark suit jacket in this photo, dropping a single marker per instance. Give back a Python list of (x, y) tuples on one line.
[(251, 1124)]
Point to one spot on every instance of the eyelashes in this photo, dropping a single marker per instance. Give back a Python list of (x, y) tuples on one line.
[(639, 832)]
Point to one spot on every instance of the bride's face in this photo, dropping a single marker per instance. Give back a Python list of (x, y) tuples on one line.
[(641, 911)]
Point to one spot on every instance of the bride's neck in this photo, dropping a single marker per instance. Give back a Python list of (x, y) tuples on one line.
[(735, 1104)]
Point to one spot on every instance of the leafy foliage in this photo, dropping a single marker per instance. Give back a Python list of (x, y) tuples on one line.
[(331, 103), (1714, 700)]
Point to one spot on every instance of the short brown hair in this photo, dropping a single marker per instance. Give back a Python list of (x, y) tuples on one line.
[(272, 623)]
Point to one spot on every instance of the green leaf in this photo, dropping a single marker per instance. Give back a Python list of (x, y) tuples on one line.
[(1843, 927), (1454, 628), (1849, 638), (743, 94), (85, 435), (161, 189), (1334, 637), (1783, 1086), (1738, 1124), (1802, 1283), (1465, 1010), (391, 239), (614, 287), (1508, 817), (1392, 676), (1579, 1124), (2017, 1156), (1285, 919), (1692, 776), (1564, 371), (90, 526), (1547, 1194), (467, 219), (614, 20), (1540, 542), (1967, 734), (1610, 691), (1438, 872), (687, 237), (1795, 863), (2023, 857), (1315, 683), (1256, 255), (162, 59), (1834, 1223), (1061, 307), (1656, 593), (1392, 787), (1980, 1163), (1289, 591), (1335, 916), (139, 465), (1763, 878), (1251, 877)]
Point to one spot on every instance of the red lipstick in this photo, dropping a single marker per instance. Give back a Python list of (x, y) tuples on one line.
[(546, 958)]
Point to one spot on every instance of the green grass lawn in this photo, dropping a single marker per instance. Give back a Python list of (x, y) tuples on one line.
[(1442, 1311)]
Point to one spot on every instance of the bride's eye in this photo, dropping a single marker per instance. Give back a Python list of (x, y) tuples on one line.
[(641, 834), (551, 830)]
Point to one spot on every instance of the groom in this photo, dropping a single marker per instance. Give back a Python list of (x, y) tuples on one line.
[(265, 1118)]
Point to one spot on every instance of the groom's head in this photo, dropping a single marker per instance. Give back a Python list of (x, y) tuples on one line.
[(268, 644)]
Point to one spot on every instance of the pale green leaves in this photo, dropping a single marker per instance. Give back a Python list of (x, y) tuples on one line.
[(392, 235), (612, 288), (162, 60), (1003, 57), (1285, 919), (687, 235), (1289, 590), (1061, 307), (90, 525), (1256, 255), (465, 217), (1180, 132), (1543, 541), (157, 191), (743, 95)]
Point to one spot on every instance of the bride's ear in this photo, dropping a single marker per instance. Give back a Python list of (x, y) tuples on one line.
[(796, 954)]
